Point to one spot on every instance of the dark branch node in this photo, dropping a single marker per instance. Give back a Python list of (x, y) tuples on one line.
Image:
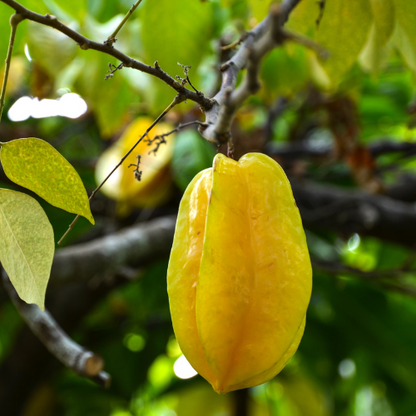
[(186, 80), (137, 172), (158, 140), (110, 42), (321, 5), (112, 70)]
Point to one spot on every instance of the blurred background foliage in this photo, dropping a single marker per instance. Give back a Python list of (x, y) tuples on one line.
[(358, 354)]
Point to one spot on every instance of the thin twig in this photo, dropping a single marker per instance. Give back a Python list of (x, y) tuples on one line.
[(137, 173), (128, 62), (161, 137), (177, 100), (112, 70), (112, 38), (308, 43), (186, 80), (83, 362), (234, 44), (321, 4), (14, 21)]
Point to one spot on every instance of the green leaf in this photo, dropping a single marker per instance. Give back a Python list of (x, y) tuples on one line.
[(285, 70), (191, 154), (36, 165), (110, 100), (343, 31), (51, 49), (384, 18), (303, 18), (64, 9), (375, 52), (405, 34), (260, 8), (26, 245), (175, 31)]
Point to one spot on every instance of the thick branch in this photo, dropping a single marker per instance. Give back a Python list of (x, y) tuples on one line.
[(83, 362), (348, 212), (404, 189), (382, 278), (133, 247), (335, 209), (257, 43), (301, 149), (128, 62)]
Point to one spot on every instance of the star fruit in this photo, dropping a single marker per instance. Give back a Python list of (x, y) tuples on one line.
[(155, 185), (239, 275)]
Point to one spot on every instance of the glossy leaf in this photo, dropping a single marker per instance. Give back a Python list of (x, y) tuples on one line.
[(26, 245), (36, 165)]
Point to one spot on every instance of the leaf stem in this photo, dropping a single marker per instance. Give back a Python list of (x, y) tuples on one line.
[(177, 100), (14, 21), (112, 38)]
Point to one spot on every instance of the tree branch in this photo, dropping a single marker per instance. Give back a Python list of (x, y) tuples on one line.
[(128, 62), (132, 247), (112, 38), (301, 149), (347, 211), (83, 362), (386, 279), (256, 44)]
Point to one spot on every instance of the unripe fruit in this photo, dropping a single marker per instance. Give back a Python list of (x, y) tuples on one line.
[(239, 276)]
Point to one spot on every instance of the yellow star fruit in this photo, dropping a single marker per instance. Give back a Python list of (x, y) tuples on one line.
[(239, 276), (154, 187)]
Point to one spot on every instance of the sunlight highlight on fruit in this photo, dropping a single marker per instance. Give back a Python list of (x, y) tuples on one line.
[(183, 369)]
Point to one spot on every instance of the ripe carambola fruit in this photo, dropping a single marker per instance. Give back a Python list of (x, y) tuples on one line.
[(239, 276)]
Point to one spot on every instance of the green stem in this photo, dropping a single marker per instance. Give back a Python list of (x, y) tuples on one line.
[(112, 38), (177, 100), (14, 21)]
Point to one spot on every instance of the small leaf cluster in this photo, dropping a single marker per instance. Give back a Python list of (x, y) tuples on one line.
[(27, 242)]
